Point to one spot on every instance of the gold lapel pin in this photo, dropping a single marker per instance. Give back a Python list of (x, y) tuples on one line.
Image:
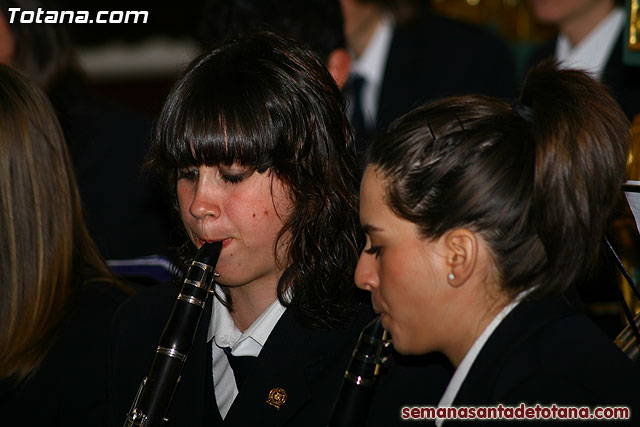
[(277, 397)]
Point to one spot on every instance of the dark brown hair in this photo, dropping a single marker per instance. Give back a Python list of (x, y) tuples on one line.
[(268, 103), (537, 181)]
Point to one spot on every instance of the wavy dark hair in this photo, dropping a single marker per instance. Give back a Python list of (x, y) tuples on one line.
[(538, 181), (268, 103)]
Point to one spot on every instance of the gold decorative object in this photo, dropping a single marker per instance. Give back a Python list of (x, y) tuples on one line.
[(634, 26), (277, 397)]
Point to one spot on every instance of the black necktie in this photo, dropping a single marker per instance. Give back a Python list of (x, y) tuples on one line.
[(241, 366), (363, 134)]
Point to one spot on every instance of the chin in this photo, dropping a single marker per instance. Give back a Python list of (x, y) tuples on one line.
[(404, 346), (547, 12)]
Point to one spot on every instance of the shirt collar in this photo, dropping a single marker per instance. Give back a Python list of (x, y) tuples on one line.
[(465, 366), (592, 53), (371, 63), (223, 330)]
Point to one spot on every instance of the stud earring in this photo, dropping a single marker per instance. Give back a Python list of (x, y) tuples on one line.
[(451, 276)]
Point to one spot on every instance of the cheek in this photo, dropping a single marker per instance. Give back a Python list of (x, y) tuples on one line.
[(183, 196), (280, 197), (256, 219), (408, 271), (410, 288), (272, 209)]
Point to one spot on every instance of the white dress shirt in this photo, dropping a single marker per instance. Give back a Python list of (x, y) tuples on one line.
[(593, 52), (463, 369), (371, 66), (225, 333)]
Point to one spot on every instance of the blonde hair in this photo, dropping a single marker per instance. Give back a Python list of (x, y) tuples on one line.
[(45, 251)]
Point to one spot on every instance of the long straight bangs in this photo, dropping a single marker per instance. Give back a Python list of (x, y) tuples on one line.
[(220, 114)]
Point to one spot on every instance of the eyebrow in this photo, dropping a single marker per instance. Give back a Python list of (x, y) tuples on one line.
[(368, 228)]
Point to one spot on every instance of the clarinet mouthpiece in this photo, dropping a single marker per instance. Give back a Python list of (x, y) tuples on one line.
[(209, 253)]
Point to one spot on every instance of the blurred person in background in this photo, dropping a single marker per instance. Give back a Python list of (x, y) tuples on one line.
[(57, 296), (591, 38), (317, 23), (125, 212), (404, 55)]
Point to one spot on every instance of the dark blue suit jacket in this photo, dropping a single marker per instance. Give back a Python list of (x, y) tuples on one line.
[(623, 80), (543, 352), (308, 364), (435, 57), (69, 388)]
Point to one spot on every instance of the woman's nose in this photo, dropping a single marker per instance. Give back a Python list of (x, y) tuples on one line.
[(366, 276), (206, 200)]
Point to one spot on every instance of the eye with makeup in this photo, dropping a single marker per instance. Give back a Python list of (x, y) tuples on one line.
[(230, 175), (372, 249), (188, 174), (232, 179)]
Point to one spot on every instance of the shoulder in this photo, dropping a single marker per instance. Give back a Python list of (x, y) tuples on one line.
[(138, 323), (164, 294), (435, 29), (541, 52), (102, 294), (71, 382), (567, 360), (146, 311), (459, 45), (91, 312)]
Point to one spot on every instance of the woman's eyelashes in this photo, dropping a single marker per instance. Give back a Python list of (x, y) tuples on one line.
[(191, 174), (233, 174), (233, 178), (187, 174), (374, 250)]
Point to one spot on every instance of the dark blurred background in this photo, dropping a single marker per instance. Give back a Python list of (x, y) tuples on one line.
[(137, 63)]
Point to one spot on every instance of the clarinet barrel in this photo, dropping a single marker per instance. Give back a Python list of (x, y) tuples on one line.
[(154, 396), (372, 351)]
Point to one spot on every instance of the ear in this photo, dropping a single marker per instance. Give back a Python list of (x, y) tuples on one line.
[(339, 65), (7, 41), (462, 254)]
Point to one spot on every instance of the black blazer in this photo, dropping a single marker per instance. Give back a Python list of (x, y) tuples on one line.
[(623, 80), (69, 389), (308, 364), (545, 353), (435, 57)]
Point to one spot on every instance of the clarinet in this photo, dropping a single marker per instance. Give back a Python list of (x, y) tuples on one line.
[(353, 401), (154, 396)]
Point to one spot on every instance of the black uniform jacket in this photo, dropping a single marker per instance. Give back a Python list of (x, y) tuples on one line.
[(544, 352), (308, 364)]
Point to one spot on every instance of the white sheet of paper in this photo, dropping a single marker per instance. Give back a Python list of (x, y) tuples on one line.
[(634, 202)]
